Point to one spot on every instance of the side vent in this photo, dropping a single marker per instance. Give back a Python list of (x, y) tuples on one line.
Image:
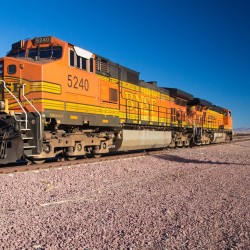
[(113, 95), (101, 65), (131, 77)]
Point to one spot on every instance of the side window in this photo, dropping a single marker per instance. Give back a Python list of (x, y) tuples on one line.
[(80, 62), (91, 65), (11, 69), (84, 63), (72, 58), (173, 114)]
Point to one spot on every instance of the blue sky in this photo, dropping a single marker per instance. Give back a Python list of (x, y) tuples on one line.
[(201, 47)]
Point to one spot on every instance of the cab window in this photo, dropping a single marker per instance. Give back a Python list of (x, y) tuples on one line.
[(51, 52), (80, 62)]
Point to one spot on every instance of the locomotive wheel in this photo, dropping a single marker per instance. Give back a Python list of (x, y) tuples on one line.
[(96, 155), (38, 161), (71, 158), (67, 157)]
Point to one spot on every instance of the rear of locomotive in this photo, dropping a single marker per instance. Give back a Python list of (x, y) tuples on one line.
[(220, 119), (211, 124)]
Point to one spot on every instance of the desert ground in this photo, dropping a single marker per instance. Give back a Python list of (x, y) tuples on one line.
[(182, 199)]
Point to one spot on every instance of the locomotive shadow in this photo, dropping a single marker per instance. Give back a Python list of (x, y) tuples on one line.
[(175, 158)]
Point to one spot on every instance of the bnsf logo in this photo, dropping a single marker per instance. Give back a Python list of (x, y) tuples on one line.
[(13, 87)]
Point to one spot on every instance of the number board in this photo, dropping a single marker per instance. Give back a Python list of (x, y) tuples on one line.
[(42, 40)]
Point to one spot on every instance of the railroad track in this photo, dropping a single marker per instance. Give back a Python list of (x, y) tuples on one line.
[(24, 166), (241, 137), (57, 164)]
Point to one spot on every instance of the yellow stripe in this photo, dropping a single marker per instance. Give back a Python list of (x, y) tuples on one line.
[(52, 104), (108, 79), (45, 87), (145, 91), (36, 86), (72, 107)]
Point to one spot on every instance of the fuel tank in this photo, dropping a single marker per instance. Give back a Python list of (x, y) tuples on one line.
[(144, 139)]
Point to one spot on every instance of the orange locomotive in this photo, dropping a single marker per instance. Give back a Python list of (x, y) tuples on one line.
[(60, 100)]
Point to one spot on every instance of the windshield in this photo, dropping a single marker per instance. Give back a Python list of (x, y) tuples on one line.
[(46, 52), (19, 53)]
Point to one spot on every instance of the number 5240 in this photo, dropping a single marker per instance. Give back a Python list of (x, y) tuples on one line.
[(74, 82)]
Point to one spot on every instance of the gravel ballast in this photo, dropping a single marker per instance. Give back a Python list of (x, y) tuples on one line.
[(182, 199)]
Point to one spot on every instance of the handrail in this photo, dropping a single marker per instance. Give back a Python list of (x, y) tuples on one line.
[(39, 114), (19, 103)]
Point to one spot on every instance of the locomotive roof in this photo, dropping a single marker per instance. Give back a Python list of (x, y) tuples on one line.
[(199, 101), (180, 93), (217, 109), (122, 72), (152, 85)]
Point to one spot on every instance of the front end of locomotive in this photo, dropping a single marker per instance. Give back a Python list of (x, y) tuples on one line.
[(11, 143), (20, 121)]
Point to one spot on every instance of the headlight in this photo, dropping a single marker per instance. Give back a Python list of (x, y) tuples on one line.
[(2, 105)]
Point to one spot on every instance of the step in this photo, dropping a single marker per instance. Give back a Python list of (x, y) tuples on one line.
[(29, 147), (27, 138)]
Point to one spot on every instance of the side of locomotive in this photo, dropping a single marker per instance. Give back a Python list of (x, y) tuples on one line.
[(60, 100)]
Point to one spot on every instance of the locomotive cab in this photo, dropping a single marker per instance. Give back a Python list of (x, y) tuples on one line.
[(46, 84)]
